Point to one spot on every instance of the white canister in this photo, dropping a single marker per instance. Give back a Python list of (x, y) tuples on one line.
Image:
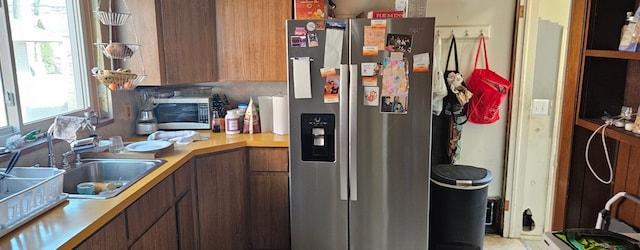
[(232, 123)]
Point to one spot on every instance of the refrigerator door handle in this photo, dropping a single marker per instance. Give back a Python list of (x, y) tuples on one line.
[(344, 132), (353, 132)]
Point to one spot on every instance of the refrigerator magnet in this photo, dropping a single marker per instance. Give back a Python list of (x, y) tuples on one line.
[(374, 37), (313, 39), (370, 51), (371, 96), (397, 42), (379, 23), (325, 72), (331, 89), (399, 104), (421, 62), (298, 41), (369, 81), (300, 31), (320, 25), (370, 69), (396, 55), (311, 26), (394, 104)]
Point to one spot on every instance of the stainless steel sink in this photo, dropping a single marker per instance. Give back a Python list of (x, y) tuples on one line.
[(124, 171)]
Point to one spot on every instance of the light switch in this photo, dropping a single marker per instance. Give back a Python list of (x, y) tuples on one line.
[(540, 107)]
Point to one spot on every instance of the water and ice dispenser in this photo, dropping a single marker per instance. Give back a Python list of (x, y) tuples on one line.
[(318, 137)]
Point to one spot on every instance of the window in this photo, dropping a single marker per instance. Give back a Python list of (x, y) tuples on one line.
[(43, 62)]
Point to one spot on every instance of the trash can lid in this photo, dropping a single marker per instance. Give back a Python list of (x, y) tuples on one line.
[(461, 175)]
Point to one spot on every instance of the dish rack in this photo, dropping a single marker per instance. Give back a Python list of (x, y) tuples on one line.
[(27, 193)]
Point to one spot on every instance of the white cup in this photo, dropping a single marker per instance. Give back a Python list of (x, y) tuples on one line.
[(116, 145)]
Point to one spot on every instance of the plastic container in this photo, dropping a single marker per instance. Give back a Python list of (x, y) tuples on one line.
[(243, 106), (458, 206), (232, 123)]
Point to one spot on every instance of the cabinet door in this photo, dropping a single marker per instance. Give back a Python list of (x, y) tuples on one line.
[(186, 226), (269, 210), (189, 38), (177, 40), (111, 236), (269, 159), (251, 40), (147, 209), (162, 235), (222, 182)]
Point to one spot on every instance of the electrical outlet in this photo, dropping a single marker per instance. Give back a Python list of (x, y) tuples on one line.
[(127, 112), (540, 107)]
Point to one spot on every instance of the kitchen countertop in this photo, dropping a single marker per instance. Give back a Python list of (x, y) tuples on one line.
[(71, 222)]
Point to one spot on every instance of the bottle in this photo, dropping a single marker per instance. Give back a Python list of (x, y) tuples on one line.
[(630, 32), (232, 123), (215, 126)]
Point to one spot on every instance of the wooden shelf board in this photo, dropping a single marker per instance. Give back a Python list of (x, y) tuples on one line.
[(618, 134), (613, 54)]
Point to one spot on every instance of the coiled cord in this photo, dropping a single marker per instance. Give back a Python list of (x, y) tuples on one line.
[(606, 153)]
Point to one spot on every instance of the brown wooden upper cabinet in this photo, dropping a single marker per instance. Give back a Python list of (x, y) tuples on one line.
[(177, 37), (251, 40)]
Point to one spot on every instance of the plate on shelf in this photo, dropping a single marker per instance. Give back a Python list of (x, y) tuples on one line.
[(147, 146)]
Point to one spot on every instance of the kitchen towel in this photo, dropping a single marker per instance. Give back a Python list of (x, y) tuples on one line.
[(302, 77), (266, 113), (69, 128), (180, 137), (280, 115)]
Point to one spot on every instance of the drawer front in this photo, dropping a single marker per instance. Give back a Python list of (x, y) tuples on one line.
[(183, 178), (146, 210), (269, 159)]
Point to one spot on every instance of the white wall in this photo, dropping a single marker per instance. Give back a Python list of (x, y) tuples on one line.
[(481, 145)]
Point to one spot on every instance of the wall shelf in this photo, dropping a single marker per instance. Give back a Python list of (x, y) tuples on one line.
[(613, 54)]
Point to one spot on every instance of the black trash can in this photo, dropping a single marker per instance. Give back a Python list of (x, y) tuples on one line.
[(458, 206)]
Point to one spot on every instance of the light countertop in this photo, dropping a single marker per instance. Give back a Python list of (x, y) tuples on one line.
[(69, 223)]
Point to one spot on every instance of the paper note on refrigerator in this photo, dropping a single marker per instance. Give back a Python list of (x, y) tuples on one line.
[(333, 48), (302, 77)]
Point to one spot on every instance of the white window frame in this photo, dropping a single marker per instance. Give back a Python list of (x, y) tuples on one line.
[(83, 50)]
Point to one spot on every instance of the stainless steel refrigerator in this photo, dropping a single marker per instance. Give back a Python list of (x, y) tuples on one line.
[(360, 125)]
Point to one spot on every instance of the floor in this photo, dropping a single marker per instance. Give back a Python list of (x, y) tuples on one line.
[(495, 242)]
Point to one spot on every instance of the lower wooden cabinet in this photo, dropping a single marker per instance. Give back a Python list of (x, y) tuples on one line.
[(269, 210), (143, 213), (110, 236), (237, 199), (269, 198), (163, 218), (186, 223), (222, 188), (162, 235)]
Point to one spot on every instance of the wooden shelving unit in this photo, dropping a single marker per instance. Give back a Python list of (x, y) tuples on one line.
[(599, 79)]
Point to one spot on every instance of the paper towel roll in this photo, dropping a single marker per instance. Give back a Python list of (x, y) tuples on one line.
[(266, 113), (280, 115)]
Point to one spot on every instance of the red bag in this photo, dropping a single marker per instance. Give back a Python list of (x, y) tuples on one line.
[(488, 88)]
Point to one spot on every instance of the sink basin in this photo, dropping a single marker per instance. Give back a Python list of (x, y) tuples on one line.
[(115, 171)]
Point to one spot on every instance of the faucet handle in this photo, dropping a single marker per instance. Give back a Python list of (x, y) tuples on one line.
[(65, 160)]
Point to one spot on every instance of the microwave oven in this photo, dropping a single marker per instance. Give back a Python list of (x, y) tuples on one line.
[(176, 113)]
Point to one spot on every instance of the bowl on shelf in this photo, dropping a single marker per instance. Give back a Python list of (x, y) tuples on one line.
[(120, 79), (118, 50), (112, 18)]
